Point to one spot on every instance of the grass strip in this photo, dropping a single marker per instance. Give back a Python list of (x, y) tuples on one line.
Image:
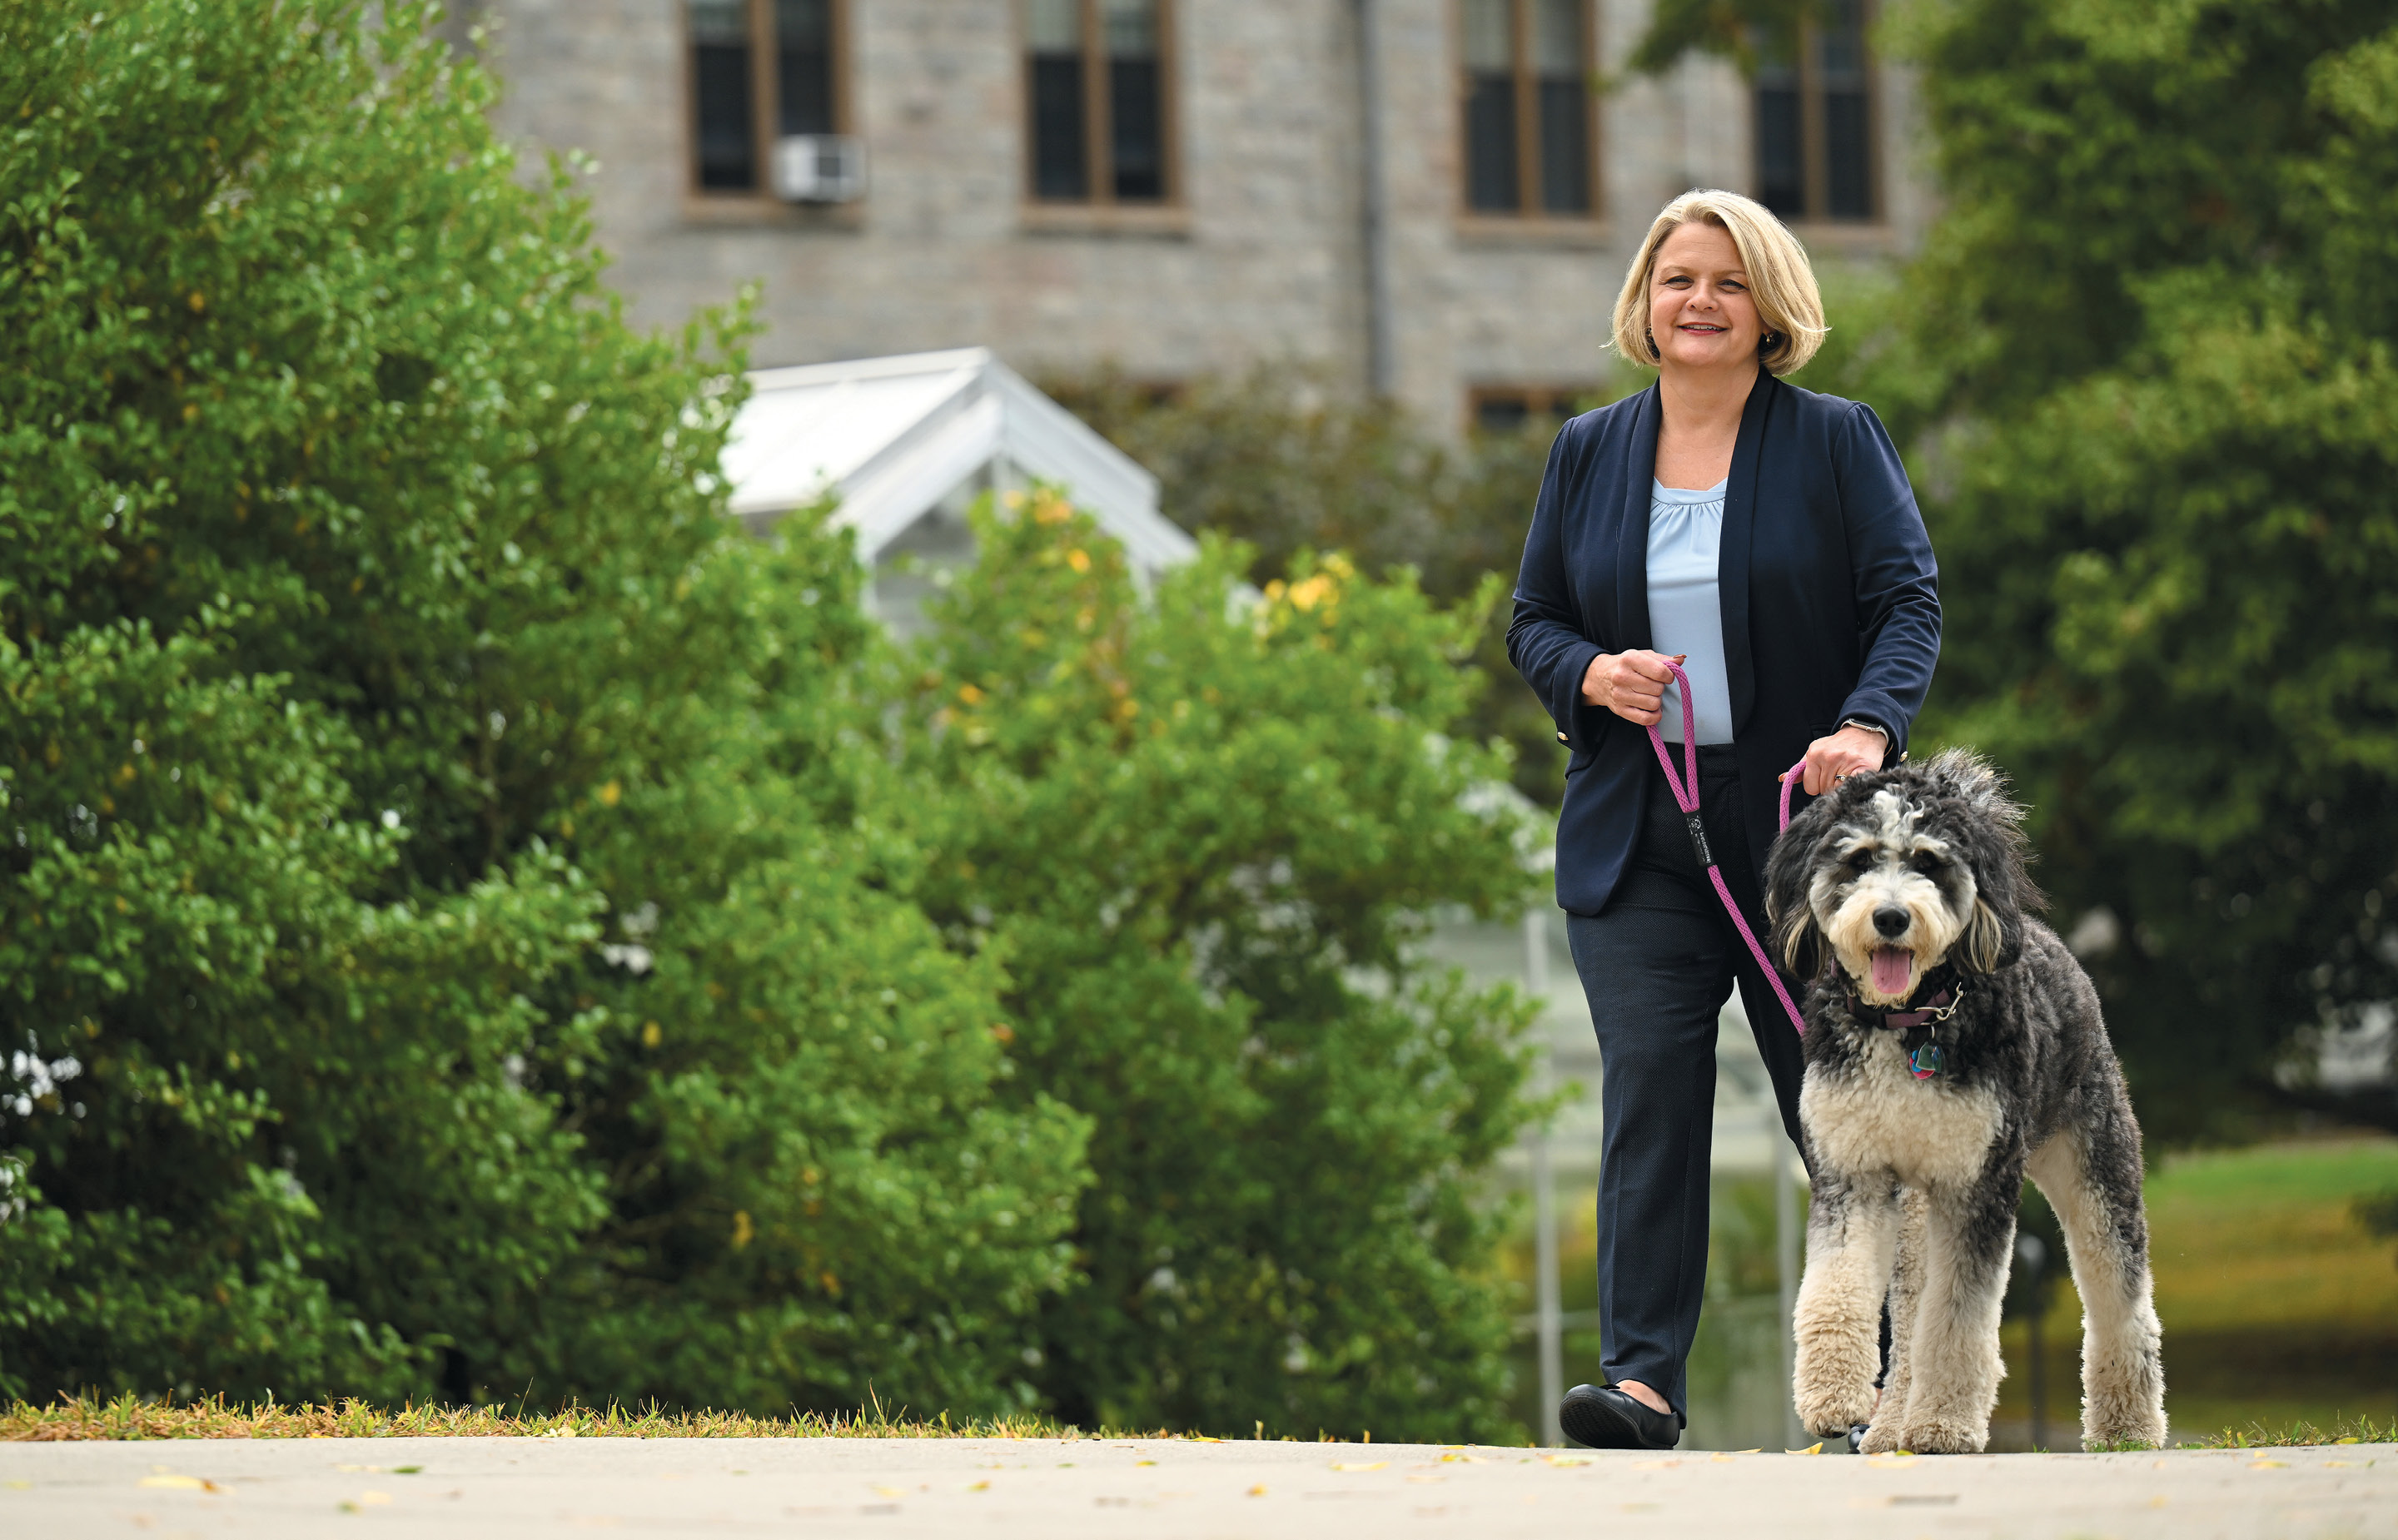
[(2299, 1435), (129, 1416)]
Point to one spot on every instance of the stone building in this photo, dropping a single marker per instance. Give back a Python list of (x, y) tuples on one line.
[(1430, 198)]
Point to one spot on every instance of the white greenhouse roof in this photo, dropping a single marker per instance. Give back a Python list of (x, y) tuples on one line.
[(892, 437)]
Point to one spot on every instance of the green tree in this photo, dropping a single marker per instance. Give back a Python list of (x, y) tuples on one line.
[(1201, 832), (2166, 518), (443, 944)]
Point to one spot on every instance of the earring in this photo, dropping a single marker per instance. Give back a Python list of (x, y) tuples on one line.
[(1652, 335)]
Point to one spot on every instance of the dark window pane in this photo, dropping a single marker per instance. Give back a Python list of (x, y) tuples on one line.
[(1561, 105), (803, 65), (1502, 414), (1060, 166), (1848, 156), (1489, 60), (1781, 181), (1565, 147), (1841, 69), (1136, 129), (726, 124), (1491, 144)]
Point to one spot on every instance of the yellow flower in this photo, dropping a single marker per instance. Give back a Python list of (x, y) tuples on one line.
[(1308, 593)]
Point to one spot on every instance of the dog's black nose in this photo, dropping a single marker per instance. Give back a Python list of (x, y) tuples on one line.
[(1889, 922)]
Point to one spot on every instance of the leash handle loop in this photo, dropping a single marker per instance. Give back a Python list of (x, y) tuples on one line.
[(1688, 801)]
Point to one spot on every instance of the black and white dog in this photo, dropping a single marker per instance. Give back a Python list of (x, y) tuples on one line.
[(1953, 1048)]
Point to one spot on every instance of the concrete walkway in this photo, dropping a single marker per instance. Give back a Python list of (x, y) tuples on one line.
[(462, 1488)]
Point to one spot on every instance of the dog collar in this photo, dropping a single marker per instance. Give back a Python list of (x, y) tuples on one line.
[(1932, 1013), (1937, 1009), (1927, 1059)]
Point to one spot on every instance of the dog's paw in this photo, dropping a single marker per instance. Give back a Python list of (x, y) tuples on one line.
[(1883, 1439), (1830, 1412), (2133, 1432), (1936, 1435)]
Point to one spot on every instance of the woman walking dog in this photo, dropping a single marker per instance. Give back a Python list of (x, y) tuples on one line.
[(1764, 538)]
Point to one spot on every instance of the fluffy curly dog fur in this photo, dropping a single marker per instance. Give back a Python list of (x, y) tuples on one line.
[(1895, 887)]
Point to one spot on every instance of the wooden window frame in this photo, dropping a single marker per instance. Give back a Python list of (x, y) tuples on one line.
[(765, 96), (1814, 146), (1099, 127), (1529, 214)]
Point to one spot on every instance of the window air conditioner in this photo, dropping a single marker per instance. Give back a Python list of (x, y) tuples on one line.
[(820, 169)]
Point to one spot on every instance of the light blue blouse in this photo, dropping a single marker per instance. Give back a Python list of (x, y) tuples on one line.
[(1685, 534)]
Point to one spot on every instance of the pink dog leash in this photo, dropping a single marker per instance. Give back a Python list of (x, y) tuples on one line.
[(1688, 803)]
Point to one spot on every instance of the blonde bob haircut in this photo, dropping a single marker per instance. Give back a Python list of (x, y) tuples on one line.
[(1780, 279)]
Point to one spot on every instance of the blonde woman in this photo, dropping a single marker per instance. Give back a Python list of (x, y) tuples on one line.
[(1765, 538)]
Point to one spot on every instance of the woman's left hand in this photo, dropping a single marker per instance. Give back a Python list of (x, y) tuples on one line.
[(1851, 751)]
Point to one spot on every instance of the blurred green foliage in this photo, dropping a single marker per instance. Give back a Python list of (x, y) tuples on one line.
[(2160, 456), (440, 952), (465, 933), (1199, 833), (1289, 462), (1745, 31)]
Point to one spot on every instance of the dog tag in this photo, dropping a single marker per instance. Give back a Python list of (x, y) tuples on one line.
[(1926, 1061)]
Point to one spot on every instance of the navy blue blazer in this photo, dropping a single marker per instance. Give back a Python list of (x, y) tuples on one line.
[(1831, 606)]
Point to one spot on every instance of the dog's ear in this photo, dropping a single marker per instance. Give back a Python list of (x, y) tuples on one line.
[(1993, 937), (1990, 832), (1791, 932)]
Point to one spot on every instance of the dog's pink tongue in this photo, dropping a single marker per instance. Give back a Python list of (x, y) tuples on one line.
[(1891, 967)]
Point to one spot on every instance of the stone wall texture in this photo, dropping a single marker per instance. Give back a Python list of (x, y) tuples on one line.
[(1264, 260)]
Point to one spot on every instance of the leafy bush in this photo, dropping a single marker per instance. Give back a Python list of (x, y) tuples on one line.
[(440, 947), (1199, 833)]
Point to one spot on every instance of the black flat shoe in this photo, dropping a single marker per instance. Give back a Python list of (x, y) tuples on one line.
[(1604, 1417), (1857, 1432)]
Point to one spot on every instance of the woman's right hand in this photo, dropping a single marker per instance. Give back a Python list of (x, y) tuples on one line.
[(1632, 685)]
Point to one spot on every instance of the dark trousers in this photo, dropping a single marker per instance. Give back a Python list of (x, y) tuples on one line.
[(1657, 964)]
